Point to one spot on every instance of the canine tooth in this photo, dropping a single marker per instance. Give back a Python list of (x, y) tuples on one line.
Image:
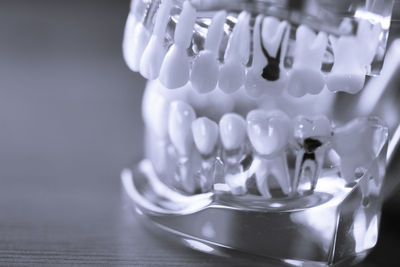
[(232, 129), (306, 76), (205, 69), (347, 73), (312, 135), (181, 116), (268, 131), (205, 135), (232, 72), (175, 68), (154, 53), (358, 143), (265, 75)]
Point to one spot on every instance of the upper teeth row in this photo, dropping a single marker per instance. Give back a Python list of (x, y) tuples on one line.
[(260, 68)]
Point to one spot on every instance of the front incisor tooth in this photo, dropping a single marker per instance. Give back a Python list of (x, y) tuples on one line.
[(205, 135), (233, 71), (154, 53), (306, 76), (266, 75), (347, 73), (181, 116), (232, 129), (205, 69), (175, 68)]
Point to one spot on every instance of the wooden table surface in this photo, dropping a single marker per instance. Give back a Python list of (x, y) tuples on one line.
[(69, 122)]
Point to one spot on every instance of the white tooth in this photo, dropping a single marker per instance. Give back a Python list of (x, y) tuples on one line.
[(347, 73), (232, 72), (306, 76), (268, 131), (154, 53), (317, 126), (155, 111), (358, 143), (205, 135), (181, 116), (232, 129), (258, 79), (129, 43), (205, 69), (175, 68)]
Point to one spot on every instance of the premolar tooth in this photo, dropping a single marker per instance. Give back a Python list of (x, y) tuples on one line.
[(306, 75), (347, 73), (232, 129), (232, 72), (265, 76), (175, 68), (205, 135), (313, 136), (181, 116), (135, 36), (268, 132), (154, 53), (205, 69)]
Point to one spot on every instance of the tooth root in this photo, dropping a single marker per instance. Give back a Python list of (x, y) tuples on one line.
[(181, 116), (348, 74), (205, 70), (205, 135), (232, 129), (268, 131), (154, 53), (265, 76), (313, 136), (306, 76), (232, 72), (134, 45), (175, 68)]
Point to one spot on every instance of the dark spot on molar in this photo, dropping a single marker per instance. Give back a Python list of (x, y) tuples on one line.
[(271, 71), (310, 144)]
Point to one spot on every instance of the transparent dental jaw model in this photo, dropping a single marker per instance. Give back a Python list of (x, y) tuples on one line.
[(244, 148)]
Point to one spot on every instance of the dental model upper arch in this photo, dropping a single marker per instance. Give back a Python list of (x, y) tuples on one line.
[(270, 73)]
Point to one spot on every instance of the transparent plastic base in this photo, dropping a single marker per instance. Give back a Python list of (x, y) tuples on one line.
[(336, 224)]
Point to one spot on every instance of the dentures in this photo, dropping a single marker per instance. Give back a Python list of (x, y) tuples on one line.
[(264, 58)]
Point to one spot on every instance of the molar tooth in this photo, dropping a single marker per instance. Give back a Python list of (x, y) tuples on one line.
[(175, 68), (266, 76), (306, 75), (205, 135), (181, 116), (268, 132), (347, 73), (232, 129), (358, 143), (232, 72), (313, 136), (154, 53), (205, 69)]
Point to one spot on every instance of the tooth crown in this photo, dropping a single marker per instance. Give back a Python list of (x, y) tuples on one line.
[(232, 128), (268, 131), (308, 127), (205, 134), (181, 116)]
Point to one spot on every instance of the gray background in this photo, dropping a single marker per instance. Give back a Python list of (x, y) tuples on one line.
[(69, 122)]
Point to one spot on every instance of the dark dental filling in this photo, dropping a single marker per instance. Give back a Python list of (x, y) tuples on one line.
[(271, 70)]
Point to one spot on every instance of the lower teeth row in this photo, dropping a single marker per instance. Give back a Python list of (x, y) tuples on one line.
[(266, 154)]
